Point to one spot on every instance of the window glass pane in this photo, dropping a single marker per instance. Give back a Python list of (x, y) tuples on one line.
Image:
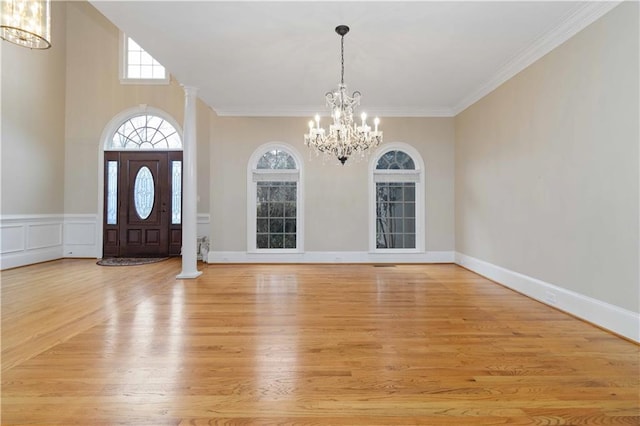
[(133, 45), (410, 210), (176, 192), (276, 241), (146, 59), (134, 59), (146, 132), (395, 193), (396, 210), (140, 64), (410, 225), (159, 73), (262, 241), (276, 159), (273, 230), (290, 226), (276, 209), (395, 214), (290, 209), (290, 241), (409, 194), (146, 71), (276, 193), (289, 193), (133, 71), (262, 226), (112, 192), (395, 160), (410, 240), (144, 192), (263, 210), (276, 226)]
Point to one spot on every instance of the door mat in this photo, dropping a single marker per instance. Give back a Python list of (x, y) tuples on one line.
[(129, 261)]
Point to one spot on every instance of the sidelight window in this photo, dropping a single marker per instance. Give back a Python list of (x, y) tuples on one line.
[(176, 192), (112, 192)]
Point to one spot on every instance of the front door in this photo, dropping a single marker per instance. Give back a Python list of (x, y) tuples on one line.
[(146, 221)]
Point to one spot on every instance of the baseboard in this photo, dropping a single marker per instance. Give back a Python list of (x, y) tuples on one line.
[(330, 257), (618, 320), (31, 257)]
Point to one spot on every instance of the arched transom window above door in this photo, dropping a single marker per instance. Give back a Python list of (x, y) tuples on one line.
[(145, 132)]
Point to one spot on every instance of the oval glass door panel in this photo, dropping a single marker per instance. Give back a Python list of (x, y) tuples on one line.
[(143, 192)]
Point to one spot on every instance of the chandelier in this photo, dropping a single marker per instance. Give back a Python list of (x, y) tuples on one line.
[(26, 23), (345, 137)]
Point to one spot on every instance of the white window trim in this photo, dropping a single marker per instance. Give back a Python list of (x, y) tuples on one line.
[(123, 64), (270, 175), (416, 176), (255, 175)]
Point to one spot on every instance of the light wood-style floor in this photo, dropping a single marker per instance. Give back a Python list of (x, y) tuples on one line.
[(325, 344)]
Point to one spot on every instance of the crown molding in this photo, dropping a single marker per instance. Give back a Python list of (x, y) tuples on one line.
[(410, 112), (310, 111), (585, 15)]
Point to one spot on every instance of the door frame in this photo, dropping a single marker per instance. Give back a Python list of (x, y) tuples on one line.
[(170, 234), (107, 133)]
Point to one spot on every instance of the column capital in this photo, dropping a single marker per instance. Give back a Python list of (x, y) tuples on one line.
[(190, 90)]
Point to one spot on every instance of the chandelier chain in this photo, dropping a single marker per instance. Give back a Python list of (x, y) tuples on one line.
[(342, 59)]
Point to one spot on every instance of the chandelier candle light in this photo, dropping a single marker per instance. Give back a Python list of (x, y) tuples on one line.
[(345, 137), (26, 23)]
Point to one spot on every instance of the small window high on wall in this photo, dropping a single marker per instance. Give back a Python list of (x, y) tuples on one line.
[(274, 200), (397, 200), (138, 66)]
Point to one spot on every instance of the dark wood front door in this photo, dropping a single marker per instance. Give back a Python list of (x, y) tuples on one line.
[(145, 221)]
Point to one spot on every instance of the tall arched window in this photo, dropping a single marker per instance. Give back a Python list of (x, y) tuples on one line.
[(397, 200), (274, 190)]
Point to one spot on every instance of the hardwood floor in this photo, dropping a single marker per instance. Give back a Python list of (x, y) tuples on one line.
[(306, 344)]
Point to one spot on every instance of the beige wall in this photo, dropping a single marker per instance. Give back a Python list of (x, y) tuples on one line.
[(33, 98), (547, 166), (336, 197), (95, 95)]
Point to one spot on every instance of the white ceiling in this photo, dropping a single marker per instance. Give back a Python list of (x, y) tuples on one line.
[(406, 58)]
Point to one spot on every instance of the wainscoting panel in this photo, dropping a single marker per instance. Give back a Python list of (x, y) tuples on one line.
[(28, 239), (80, 235), (13, 238)]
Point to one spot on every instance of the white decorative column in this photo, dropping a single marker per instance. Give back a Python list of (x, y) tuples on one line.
[(189, 188)]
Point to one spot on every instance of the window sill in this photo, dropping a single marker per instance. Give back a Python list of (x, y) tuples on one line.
[(145, 81)]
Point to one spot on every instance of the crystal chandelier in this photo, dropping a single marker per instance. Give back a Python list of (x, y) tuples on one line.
[(345, 137), (26, 23)]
